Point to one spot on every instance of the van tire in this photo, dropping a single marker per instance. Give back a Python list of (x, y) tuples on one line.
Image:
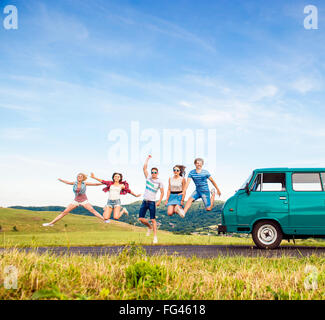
[(267, 234)]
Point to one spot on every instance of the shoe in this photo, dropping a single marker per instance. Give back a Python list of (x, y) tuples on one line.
[(155, 240), (48, 225), (107, 221), (180, 211), (148, 232)]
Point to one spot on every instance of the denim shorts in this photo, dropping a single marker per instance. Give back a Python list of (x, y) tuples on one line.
[(148, 205), (113, 203), (204, 195)]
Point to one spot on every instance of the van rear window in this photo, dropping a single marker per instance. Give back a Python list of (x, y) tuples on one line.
[(306, 182)]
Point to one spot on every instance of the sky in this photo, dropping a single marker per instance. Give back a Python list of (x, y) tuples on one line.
[(96, 86)]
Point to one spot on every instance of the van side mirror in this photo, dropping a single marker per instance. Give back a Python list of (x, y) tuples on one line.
[(247, 189)]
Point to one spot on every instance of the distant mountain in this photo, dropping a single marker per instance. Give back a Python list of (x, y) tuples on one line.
[(197, 220)]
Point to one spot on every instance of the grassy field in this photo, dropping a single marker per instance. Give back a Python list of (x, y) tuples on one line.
[(21, 228), (133, 275)]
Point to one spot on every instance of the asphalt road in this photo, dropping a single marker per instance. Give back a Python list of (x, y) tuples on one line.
[(208, 251)]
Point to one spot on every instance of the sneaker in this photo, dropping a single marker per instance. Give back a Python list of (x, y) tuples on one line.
[(155, 240), (48, 225), (180, 211), (148, 232), (107, 221)]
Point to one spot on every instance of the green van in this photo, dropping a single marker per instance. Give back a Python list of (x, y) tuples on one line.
[(278, 203)]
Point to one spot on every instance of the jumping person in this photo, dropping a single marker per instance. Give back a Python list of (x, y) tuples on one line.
[(79, 188), (176, 187), (116, 187), (200, 178), (149, 199)]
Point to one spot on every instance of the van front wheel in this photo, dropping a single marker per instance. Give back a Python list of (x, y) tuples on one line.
[(267, 235)]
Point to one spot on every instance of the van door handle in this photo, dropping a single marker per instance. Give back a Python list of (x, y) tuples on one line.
[(283, 198)]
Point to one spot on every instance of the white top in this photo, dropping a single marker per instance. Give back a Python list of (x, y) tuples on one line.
[(176, 184), (152, 186), (114, 192)]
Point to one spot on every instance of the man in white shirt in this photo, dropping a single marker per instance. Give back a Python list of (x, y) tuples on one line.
[(153, 184)]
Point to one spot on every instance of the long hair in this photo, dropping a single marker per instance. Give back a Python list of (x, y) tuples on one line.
[(182, 170), (120, 174)]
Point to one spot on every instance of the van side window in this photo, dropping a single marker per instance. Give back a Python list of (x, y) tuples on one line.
[(269, 182), (306, 182), (257, 183), (274, 182)]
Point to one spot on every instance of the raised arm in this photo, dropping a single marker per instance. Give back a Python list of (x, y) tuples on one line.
[(145, 167), (215, 185), (93, 177), (93, 184), (66, 182)]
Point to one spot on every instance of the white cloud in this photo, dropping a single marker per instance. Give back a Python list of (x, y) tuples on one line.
[(305, 85), (186, 104)]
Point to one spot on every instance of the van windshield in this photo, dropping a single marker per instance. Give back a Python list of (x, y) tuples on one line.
[(247, 181)]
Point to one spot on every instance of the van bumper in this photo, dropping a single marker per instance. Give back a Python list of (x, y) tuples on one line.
[(222, 229)]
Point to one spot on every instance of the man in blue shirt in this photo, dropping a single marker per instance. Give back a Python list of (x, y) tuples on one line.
[(200, 178)]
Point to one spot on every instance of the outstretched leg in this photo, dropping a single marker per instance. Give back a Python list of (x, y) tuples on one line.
[(117, 213), (145, 222), (90, 208), (171, 210), (107, 212), (213, 194), (188, 205), (68, 209)]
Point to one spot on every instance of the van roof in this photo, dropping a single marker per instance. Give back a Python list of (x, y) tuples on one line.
[(290, 170)]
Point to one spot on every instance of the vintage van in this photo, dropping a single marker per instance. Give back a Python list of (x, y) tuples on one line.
[(278, 203)]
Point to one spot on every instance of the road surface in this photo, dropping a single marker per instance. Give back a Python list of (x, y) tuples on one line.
[(201, 251)]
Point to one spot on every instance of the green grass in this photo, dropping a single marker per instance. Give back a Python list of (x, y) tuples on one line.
[(22, 228), (133, 275)]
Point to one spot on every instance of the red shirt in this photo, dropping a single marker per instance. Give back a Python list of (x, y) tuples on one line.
[(123, 191)]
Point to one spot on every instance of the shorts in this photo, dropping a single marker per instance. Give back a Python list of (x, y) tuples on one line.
[(174, 199), (113, 203), (148, 205), (76, 203), (204, 195)]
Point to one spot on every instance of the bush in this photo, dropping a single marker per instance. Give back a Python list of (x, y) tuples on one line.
[(15, 229), (144, 274)]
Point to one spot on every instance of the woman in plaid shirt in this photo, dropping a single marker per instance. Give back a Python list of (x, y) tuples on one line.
[(116, 188)]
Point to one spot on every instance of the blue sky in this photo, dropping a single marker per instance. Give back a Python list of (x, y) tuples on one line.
[(74, 71)]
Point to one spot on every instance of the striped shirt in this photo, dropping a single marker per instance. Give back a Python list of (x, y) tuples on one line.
[(152, 187), (200, 180)]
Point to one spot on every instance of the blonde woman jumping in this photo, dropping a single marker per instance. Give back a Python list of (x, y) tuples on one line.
[(79, 188)]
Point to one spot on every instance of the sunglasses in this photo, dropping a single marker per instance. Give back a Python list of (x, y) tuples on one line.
[(177, 170), (154, 172)]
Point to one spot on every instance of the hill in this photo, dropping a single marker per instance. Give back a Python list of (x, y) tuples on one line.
[(24, 228), (197, 220)]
